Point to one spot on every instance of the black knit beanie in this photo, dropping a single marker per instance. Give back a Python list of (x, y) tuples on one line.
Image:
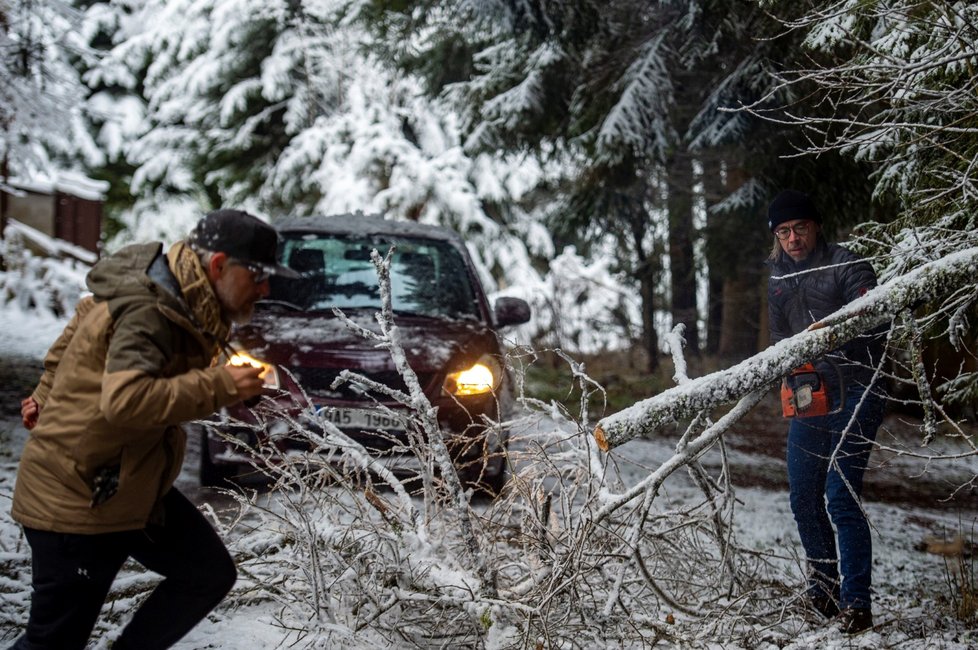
[(789, 205)]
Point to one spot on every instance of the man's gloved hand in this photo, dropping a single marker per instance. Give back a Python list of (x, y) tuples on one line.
[(106, 485)]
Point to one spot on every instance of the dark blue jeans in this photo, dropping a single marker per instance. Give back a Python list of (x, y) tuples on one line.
[(825, 473), (72, 574)]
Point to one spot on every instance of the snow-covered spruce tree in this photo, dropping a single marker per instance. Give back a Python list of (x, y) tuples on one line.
[(627, 96), (111, 91), (903, 99), (39, 90), (280, 108), (35, 283), (901, 77), (220, 93)]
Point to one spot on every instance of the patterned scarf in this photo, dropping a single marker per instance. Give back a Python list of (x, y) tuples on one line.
[(197, 291)]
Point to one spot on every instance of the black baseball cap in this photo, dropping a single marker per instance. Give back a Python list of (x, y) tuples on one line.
[(241, 236)]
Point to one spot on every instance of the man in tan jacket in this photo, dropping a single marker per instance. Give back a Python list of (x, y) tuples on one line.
[(95, 481)]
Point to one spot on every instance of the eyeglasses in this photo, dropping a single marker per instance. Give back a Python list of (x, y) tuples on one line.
[(258, 273), (801, 229)]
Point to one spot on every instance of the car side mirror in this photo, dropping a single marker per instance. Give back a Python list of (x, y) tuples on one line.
[(511, 311)]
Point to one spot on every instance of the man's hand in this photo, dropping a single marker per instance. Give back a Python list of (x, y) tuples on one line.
[(29, 410), (246, 380)]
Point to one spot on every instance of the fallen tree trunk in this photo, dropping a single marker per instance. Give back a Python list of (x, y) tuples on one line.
[(924, 284)]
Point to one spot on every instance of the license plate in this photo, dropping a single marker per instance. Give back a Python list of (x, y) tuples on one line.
[(361, 419)]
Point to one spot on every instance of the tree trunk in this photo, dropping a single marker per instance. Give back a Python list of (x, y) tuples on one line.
[(714, 192), (927, 283), (733, 257), (714, 311), (5, 177), (682, 265), (650, 339), (741, 306)]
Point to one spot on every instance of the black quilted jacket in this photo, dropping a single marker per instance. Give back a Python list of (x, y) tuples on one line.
[(805, 292)]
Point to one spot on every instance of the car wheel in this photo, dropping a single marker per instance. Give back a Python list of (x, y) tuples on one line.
[(212, 474), (493, 485), (488, 483)]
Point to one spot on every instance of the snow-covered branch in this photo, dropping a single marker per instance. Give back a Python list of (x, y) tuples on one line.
[(429, 421), (923, 284)]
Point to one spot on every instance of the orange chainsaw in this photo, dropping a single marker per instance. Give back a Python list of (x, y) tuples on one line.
[(804, 394)]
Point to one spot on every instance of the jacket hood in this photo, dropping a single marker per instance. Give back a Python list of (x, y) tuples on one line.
[(140, 273), (125, 273)]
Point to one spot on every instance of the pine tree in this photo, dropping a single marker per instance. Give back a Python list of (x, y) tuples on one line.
[(114, 110), (38, 88), (281, 108), (626, 94)]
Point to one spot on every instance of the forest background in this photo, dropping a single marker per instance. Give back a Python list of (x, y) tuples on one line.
[(610, 162)]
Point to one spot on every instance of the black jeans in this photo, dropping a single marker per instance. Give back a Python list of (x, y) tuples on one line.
[(72, 574)]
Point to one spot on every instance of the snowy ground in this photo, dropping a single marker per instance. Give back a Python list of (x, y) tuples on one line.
[(907, 501)]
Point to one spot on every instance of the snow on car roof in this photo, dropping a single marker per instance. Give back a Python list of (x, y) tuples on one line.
[(360, 224)]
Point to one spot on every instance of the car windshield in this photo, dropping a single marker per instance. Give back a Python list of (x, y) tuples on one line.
[(428, 277)]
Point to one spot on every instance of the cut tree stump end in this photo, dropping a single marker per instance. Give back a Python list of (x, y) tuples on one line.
[(601, 439)]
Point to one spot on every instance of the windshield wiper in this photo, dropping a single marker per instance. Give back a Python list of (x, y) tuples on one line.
[(272, 302), (397, 312), (415, 314)]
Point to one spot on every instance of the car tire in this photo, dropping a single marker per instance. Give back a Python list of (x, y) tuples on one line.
[(212, 474), (491, 485)]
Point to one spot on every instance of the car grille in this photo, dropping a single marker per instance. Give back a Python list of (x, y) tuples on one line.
[(317, 381)]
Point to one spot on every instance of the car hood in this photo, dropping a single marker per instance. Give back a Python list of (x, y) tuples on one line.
[(430, 344)]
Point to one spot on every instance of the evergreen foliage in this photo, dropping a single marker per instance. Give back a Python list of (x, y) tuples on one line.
[(631, 96), (900, 76), (39, 89), (281, 108), (603, 126)]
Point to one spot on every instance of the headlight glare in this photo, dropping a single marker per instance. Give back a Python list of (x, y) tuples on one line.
[(478, 379), (269, 375)]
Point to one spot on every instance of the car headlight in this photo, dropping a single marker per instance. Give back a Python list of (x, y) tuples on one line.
[(269, 374), (478, 379)]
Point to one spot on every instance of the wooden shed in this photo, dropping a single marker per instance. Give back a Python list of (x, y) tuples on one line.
[(67, 206)]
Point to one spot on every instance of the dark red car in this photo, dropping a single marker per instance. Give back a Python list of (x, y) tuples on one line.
[(448, 331)]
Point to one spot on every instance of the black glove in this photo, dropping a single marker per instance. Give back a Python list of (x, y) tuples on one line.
[(106, 485)]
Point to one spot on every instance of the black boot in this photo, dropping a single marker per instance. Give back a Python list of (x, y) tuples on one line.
[(856, 619), (824, 605)]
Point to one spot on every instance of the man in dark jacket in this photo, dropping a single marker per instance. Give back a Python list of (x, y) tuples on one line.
[(828, 454), (95, 481)]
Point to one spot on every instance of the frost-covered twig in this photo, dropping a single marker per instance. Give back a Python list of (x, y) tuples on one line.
[(696, 446), (429, 421)]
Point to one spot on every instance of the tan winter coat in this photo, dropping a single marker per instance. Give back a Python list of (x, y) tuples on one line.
[(133, 363)]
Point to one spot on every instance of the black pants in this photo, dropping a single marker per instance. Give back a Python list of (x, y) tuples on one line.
[(72, 574)]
